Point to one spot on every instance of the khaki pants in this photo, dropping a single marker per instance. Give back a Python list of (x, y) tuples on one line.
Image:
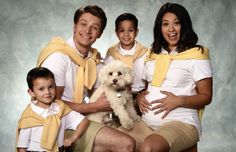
[(180, 136), (85, 142)]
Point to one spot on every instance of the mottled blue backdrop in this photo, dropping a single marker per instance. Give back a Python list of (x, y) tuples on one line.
[(27, 25)]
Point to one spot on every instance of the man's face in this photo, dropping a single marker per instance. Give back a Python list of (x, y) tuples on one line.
[(86, 31)]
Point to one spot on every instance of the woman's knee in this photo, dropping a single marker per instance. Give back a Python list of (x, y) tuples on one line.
[(154, 143)]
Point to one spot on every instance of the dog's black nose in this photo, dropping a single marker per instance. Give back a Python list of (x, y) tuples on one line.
[(114, 80)]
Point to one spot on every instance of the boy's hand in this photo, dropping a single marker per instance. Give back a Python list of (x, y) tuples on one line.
[(69, 141)]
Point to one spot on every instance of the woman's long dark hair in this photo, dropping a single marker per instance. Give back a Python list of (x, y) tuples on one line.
[(188, 38)]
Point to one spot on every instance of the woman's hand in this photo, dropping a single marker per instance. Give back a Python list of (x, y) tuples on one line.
[(143, 104), (167, 104)]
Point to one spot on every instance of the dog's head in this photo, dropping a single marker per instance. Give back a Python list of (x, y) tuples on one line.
[(116, 75)]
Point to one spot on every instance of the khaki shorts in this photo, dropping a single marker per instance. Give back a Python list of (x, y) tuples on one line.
[(85, 142), (179, 135)]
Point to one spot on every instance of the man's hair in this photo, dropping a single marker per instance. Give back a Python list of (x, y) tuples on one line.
[(126, 16), (94, 10), (36, 73)]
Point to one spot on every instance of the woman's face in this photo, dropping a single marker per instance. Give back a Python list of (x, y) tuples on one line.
[(171, 29)]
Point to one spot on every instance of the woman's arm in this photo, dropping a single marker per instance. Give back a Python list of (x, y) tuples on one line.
[(142, 102)]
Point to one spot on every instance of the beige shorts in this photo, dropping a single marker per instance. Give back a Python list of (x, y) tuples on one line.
[(179, 135), (85, 142)]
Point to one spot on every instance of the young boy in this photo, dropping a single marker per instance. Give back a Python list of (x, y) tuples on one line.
[(44, 121), (128, 50)]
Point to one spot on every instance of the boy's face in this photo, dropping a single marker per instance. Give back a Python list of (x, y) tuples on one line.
[(44, 90), (86, 31), (126, 33)]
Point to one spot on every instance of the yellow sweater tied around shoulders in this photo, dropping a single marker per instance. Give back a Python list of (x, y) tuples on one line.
[(162, 62), (86, 72), (51, 125), (127, 59)]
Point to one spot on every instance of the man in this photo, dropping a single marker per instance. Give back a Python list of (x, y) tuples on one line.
[(73, 63)]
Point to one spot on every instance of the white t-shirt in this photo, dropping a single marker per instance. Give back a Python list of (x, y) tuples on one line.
[(30, 138), (138, 67), (64, 70), (180, 79)]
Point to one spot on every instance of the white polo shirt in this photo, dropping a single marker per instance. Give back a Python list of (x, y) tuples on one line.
[(64, 70), (180, 79), (30, 138), (138, 67)]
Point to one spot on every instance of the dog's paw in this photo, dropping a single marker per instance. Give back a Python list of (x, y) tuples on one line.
[(128, 124), (137, 118)]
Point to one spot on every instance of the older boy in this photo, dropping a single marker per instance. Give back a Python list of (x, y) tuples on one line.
[(128, 50)]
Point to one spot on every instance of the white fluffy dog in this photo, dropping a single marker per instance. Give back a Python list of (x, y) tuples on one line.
[(116, 79)]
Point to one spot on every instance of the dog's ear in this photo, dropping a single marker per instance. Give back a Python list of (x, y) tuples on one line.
[(102, 76), (129, 75)]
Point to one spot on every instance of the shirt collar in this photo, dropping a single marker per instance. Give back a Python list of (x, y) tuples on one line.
[(127, 52), (53, 109), (173, 52), (71, 42)]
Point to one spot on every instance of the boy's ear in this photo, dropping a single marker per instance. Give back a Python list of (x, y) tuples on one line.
[(31, 93)]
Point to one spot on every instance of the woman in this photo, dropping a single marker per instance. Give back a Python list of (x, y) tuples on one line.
[(179, 78)]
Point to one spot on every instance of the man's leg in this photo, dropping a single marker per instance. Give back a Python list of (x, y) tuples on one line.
[(112, 140), (100, 138)]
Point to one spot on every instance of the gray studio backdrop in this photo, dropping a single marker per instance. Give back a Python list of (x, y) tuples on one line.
[(27, 25)]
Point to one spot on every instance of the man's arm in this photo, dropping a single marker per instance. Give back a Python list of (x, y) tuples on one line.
[(84, 108)]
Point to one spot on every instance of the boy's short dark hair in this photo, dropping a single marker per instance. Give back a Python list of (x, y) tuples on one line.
[(126, 16), (38, 72), (93, 9)]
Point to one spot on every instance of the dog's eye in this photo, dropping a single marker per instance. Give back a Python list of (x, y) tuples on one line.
[(119, 73), (110, 73)]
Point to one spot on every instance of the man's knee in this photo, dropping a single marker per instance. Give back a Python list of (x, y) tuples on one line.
[(128, 144)]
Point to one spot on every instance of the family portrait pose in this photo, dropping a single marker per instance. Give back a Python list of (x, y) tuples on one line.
[(158, 94)]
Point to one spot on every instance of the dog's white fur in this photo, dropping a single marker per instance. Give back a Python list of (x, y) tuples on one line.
[(116, 79)]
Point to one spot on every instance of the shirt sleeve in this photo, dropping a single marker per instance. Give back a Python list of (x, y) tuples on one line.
[(148, 71), (57, 63), (24, 137), (73, 119), (201, 69)]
